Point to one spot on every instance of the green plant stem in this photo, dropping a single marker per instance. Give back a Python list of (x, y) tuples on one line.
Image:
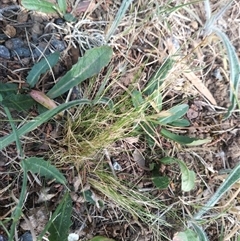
[(18, 210), (17, 139)]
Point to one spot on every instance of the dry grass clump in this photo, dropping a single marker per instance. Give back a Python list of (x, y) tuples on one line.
[(149, 33)]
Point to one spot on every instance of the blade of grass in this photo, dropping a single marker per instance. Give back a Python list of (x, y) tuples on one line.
[(233, 177), (14, 129), (209, 25), (200, 232), (17, 213), (33, 124), (234, 66), (121, 12)]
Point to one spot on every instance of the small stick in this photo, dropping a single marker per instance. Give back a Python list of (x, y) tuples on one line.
[(109, 162)]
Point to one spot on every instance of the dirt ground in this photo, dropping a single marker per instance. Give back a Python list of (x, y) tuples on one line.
[(211, 161)]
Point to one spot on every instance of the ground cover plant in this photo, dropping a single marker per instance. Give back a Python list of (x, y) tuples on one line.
[(117, 137)]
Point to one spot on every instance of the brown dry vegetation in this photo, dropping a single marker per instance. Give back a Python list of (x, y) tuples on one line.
[(132, 207)]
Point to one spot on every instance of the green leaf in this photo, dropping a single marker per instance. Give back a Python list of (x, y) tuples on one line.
[(168, 160), (188, 176), (233, 177), (173, 114), (87, 66), (61, 224), (69, 17), (41, 67), (161, 182), (101, 238), (8, 88), (149, 129), (158, 78), (62, 5), (19, 102), (105, 101), (180, 123), (155, 100), (234, 66), (184, 140), (34, 123), (200, 232), (137, 98), (41, 6), (43, 168), (88, 196), (187, 235)]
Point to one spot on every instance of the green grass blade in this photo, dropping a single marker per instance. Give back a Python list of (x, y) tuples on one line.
[(120, 14), (200, 232), (233, 177), (234, 67), (207, 9), (33, 124), (87, 66), (159, 77), (17, 213), (211, 21), (14, 129)]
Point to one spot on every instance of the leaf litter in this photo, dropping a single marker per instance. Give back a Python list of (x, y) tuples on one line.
[(133, 50)]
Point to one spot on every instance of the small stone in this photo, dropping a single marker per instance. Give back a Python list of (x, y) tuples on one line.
[(26, 237), (58, 45), (3, 238), (21, 52), (41, 50), (4, 52), (14, 43), (59, 21)]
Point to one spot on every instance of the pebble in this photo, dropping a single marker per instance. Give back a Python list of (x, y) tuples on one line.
[(22, 52), (14, 43), (59, 21), (16, 47), (3, 238), (58, 45), (4, 52), (26, 237), (41, 49)]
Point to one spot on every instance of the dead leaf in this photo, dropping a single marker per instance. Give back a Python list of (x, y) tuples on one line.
[(22, 17), (38, 217), (139, 158), (131, 140), (200, 86), (43, 196), (42, 99), (10, 31), (84, 6)]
